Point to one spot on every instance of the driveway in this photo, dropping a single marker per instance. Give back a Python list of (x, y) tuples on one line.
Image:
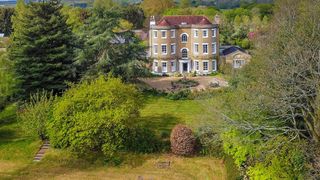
[(164, 83)]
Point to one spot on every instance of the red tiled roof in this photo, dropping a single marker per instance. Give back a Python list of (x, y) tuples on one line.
[(163, 22), (178, 20), (204, 21)]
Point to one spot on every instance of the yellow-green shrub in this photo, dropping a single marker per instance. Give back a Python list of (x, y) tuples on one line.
[(95, 116)]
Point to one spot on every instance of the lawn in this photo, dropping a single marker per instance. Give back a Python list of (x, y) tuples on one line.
[(159, 113)]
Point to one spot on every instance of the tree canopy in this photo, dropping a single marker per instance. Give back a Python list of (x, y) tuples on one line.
[(42, 48)]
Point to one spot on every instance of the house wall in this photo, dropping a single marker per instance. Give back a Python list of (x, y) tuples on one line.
[(236, 55), (189, 30)]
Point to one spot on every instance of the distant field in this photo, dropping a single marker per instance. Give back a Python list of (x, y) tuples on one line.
[(160, 114)]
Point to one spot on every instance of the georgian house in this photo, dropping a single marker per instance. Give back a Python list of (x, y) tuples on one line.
[(184, 44)]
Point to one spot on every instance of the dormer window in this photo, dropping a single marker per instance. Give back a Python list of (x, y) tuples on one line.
[(184, 38)]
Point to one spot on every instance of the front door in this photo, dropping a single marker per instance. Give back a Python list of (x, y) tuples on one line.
[(185, 67)]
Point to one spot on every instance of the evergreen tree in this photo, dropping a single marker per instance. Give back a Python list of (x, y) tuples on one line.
[(110, 47), (41, 48)]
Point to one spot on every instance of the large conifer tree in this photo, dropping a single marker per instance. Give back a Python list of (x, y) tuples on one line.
[(41, 48)]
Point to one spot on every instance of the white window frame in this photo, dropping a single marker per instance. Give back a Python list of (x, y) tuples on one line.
[(206, 61), (165, 32), (162, 69), (174, 48), (203, 48), (155, 66), (166, 49), (196, 65), (196, 35), (214, 32), (214, 68), (155, 33), (181, 38), (173, 68), (205, 30), (155, 49), (214, 48), (187, 53), (173, 33), (194, 48), (234, 63)]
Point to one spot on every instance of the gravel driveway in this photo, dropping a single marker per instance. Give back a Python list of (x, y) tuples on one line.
[(164, 83)]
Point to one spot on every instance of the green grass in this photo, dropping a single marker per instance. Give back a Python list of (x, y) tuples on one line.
[(160, 114)]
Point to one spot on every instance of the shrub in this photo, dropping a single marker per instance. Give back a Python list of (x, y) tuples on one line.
[(182, 141), (95, 117), (210, 142), (35, 114), (180, 95), (226, 68)]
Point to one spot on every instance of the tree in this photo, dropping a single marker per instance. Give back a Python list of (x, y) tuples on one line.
[(75, 17), (106, 4), (185, 3), (156, 7), (135, 15), (5, 20), (8, 81), (108, 47), (95, 116), (275, 98), (42, 48)]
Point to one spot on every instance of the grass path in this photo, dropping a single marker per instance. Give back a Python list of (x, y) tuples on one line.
[(161, 114)]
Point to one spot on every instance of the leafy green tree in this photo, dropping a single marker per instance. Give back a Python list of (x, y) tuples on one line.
[(42, 48), (95, 116), (5, 20), (135, 15), (185, 3), (106, 4), (156, 7), (108, 47), (276, 97)]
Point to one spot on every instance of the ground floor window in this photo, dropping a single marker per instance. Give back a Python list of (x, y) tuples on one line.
[(214, 65), (196, 65), (205, 66), (164, 67), (173, 66), (238, 63), (155, 66)]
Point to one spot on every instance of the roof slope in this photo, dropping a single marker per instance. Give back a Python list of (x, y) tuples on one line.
[(178, 20), (232, 49)]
